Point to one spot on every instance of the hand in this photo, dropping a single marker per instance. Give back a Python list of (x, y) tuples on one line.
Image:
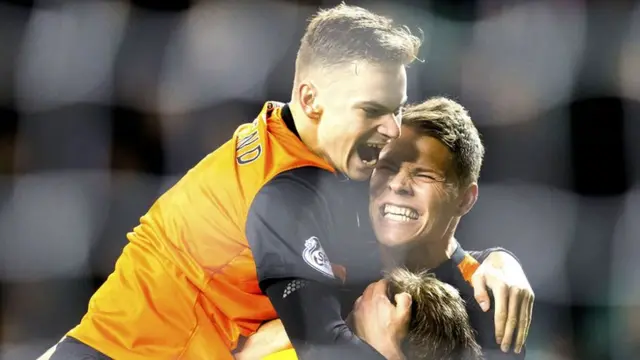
[(513, 297), (380, 323), (269, 339)]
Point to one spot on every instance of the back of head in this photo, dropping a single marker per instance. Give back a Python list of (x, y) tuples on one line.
[(439, 328), (344, 34)]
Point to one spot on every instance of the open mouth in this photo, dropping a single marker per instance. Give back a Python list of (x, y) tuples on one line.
[(369, 153), (398, 213)]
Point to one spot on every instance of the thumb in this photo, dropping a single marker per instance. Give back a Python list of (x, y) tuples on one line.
[(357, 303), (403, 304), (480, 291)]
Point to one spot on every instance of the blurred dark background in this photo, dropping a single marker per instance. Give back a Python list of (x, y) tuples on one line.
[(104, 104)]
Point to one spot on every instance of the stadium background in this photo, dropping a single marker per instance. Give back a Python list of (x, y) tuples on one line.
[(103, 104)]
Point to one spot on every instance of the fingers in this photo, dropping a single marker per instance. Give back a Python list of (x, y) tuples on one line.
[(403, 300), (515, 300), (378, 291), (526, 311), (358, 302), (501, 299), (531, 301), (373, 292), (403, 305), (480, 291), (373, 289), (379, 288)]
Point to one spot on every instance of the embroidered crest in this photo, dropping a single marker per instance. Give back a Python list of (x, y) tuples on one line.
[(314, 255)]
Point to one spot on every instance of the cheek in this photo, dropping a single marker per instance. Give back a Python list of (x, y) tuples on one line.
[(339, 127), (329, 135), (435, 200), (324, 129), (376, 185)]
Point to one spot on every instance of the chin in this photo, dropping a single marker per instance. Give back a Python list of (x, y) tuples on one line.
[(393, 242), (358, 171), (360, 175), (396, 233), (391, 238)]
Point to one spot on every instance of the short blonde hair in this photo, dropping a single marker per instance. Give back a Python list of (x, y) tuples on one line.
[(344, 33), (449, 122), (439, 327)]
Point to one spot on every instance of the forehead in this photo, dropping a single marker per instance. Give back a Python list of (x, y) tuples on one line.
[(416, 149), (365, 82)]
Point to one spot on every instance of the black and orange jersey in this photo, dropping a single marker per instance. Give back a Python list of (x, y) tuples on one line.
[(190, 281), (186, 285), (457, 271)]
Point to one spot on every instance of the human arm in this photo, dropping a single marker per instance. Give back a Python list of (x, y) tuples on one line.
[(513, 298), (501, 272), (269, 339), (288, 226)]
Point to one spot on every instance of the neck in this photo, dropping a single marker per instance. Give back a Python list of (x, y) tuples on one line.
[(421, 254), (306, 128)]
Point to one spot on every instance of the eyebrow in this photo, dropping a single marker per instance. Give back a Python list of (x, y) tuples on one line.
[(416, 168), (441, 176), (378, 105), (427, 170)]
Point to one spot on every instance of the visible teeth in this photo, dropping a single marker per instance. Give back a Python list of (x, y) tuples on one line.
[(370, 162), (396, 217), (399, 213), (373, 162)]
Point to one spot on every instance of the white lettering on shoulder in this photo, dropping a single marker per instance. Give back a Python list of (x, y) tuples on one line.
[(314, 255), (248, 148)]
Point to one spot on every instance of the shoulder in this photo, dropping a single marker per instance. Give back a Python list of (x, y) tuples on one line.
[(303, 186)]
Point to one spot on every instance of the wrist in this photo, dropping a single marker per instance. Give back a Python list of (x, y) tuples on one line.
[(502, 256), (496, 259), (391, 350)]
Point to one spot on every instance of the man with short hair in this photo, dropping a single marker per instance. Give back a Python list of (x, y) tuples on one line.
[(185, 285), (229, 246), (424, 182), (439, 328)]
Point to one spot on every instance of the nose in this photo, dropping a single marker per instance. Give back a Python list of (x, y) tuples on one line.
[(390, 126), (400, 184)]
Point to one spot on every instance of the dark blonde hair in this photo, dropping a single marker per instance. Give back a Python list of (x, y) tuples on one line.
[(449, 122), (346, 33), (439, 327)]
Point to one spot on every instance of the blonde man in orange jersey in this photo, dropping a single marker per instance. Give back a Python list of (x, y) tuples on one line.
[(233, 242)]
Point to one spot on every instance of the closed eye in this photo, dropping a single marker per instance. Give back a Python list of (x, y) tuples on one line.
[(374, 113), (429, 176), (426, 176), (386, 167)]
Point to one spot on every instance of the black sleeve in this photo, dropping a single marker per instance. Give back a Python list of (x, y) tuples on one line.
[(72, 349), (310, 313), (483, 323), (449, 272), (289, 226), (481, 255)]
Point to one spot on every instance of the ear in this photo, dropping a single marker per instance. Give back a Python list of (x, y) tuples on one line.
[(308, 101), (467, 199)]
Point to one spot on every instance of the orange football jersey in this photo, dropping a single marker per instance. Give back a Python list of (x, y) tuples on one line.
[(185, 286)]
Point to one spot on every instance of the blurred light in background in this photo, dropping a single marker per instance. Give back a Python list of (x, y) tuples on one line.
[(104, 104)]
